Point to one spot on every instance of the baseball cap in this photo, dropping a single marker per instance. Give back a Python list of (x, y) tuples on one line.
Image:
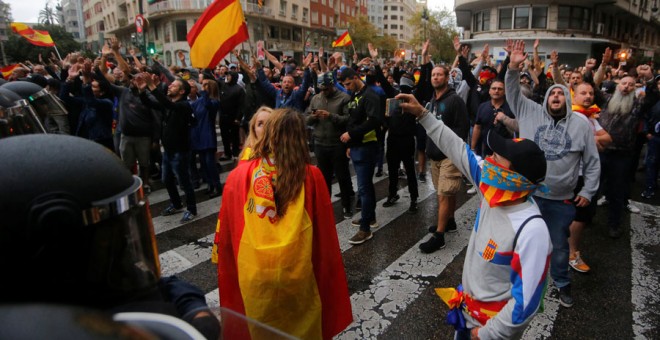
[(525, 156), (325, 80)]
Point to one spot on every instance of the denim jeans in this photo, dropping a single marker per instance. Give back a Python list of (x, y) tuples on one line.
[(333, 159), (207, 168), (652, 158), (364, 161), (176, 164), (615, 166), (558, 216)]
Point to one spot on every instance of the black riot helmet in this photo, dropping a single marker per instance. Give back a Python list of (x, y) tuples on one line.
[(76, 226), (17, 116), (49, 108)]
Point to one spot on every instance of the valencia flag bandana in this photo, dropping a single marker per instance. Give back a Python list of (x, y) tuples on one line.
[(499, 184)]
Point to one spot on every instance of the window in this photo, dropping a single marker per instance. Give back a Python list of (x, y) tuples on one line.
[(315, 17), (539, 17), (505, 18), (286, 34), (297, 34), (394, 27), (305, 14), (274, 32), (522, 18), (385, 8), (385, 26), (394, 17), (181, 30), (294, 11), (323, 18), (482, 21), (282, 8), (571, 17)]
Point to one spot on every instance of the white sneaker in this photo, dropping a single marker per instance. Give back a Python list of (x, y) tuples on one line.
[(602, 201), (632, 208), (472, 191)]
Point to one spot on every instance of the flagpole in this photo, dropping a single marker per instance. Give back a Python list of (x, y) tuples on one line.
[(58, 52)]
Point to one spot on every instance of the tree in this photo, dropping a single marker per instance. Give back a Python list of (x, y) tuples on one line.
[(440, 28), (362, 32), (47, 16), (18, 49)]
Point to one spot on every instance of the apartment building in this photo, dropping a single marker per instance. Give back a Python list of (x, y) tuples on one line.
[(95, 32), (72, 19), (395, 20), (577, 30), (5, 20)]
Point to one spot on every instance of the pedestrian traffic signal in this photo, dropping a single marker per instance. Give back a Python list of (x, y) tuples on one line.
[(151, 48)]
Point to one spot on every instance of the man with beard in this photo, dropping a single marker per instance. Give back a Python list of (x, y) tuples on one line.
[(567, 141), (447, 106), (619, 117), (287, 96), (177, 119), (232, 99)]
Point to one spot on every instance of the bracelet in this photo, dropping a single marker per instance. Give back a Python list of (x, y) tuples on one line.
[(424, 113)]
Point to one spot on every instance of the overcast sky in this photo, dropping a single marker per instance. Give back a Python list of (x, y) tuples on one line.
[(28, 10)]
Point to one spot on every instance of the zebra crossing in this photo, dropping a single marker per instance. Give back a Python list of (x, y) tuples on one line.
[(391, 282)]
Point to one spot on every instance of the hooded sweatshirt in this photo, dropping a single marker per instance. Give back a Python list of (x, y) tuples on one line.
[(565, 142)]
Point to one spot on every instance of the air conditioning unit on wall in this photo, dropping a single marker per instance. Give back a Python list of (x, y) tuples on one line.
[(600, 28)]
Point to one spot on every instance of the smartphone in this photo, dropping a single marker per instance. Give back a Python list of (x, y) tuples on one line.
[(393, 107)]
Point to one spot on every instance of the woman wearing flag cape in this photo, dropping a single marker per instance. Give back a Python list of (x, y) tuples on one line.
[(279, 260)]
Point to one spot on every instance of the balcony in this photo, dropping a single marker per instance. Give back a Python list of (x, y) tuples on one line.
[(165, 7), (250, 8)]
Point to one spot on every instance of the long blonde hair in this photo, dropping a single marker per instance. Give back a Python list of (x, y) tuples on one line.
[(285, 138), (252, 139)]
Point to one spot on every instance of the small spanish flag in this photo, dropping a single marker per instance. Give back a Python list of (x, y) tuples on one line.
[(260, 3), (35, 37), (7, 70), (343, 40), (220, 28)]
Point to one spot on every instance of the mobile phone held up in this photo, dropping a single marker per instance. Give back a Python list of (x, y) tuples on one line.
[(393, 107)]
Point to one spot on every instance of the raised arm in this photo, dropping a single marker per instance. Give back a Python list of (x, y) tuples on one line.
[(600, 73), (556, 74)]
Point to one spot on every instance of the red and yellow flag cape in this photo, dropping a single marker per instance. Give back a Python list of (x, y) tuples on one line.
[(286, 272)]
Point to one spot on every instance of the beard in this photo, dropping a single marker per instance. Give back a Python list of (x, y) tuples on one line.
[(621, 104), (558, 113)]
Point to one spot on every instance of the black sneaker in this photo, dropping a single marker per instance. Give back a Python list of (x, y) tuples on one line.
[(379, 173), (565, 298), (402, 173), (413, 207), (451, 226), (171, 210), (436, 242), (348, 212), (422, 177), (391, 200), (648, 193), (615, 232)]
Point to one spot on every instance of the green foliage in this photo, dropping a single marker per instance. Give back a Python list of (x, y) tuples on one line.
[(363, 32), (18, 49), (440, 28)]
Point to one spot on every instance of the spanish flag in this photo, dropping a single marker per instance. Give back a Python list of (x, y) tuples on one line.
[(7, 70), (220, 28), (284, 271), (343, 40), (35, 37)]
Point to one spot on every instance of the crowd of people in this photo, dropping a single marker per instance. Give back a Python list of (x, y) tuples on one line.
[(539, 142)]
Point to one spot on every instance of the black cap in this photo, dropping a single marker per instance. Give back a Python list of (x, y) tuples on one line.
[(525, 156)]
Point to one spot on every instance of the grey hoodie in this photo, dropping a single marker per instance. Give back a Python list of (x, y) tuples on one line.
[(565, 143)]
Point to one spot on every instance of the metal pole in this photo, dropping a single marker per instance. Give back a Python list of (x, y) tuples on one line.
[(58, 53), (4, 56), (143, 49)]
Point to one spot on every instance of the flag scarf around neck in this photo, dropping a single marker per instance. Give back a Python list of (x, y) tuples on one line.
[(500, 185), (587, 111), (343, 40), (286, 271), (220, 28), (7, 70), (35, 37)]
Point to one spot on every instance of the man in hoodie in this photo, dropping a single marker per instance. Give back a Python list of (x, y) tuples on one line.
[(566, 140)]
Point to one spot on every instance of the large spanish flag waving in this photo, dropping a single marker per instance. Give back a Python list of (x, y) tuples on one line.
[(286, 272), (7, 70), (220, 28), (343, 40), (35, 37)]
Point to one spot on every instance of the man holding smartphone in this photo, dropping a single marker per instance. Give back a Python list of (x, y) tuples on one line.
[(328, 115)]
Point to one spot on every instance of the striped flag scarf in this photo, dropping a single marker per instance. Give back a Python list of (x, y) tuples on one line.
[(500, 185)]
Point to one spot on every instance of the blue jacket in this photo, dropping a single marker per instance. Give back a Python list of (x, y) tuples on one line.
[(295, 99), (202, 134), (95, 120)]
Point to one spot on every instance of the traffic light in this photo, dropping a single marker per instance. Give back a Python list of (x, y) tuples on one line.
[(624, 54), (151, 48)]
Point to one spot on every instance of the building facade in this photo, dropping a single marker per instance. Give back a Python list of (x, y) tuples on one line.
[(72, 19), (94, 24), (577, 30), (396, 14)]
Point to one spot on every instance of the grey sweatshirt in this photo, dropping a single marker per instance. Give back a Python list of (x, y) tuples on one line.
[(327, 131), (565, 143)]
